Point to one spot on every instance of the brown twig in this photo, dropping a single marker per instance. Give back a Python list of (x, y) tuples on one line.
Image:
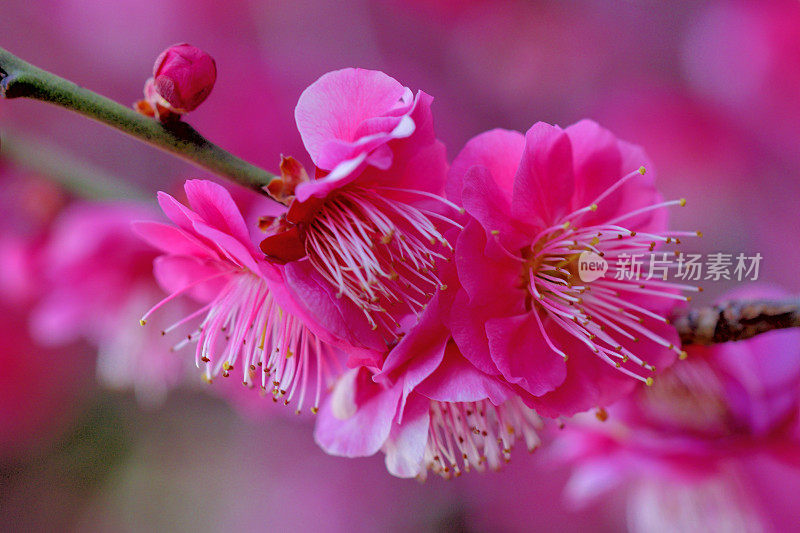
[(736, 320)]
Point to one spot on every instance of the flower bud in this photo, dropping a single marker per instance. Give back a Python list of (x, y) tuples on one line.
[(183, 76)]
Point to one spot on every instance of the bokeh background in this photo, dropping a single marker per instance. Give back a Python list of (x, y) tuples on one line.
[(710, 88)]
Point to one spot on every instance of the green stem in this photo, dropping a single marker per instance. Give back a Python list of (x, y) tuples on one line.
[(75, 175), (19, 79)]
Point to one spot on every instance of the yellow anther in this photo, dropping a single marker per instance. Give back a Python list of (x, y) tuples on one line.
[(683, 355), (642, 170), (593, 207), (682, 202), (142, 322), (495, 232), (649, 382)]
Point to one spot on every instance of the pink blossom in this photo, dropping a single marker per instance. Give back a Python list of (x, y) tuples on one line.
[(537, 201), (428, 409), (283, 325), (697, 444), (368, 221), (98, 278)]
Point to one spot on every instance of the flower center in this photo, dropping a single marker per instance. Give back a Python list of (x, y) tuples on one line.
[(477, 434), (601, 313), (379, 252)]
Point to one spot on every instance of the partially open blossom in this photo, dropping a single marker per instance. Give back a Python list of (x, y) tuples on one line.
[(368, 220), (183, 77), (537, 201), (282, 325), (708, 446)]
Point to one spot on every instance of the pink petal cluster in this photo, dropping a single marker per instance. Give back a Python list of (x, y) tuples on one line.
[(720, 428), (281, 324), (536, 202), (369, 220), (428, 408), (442, 364)]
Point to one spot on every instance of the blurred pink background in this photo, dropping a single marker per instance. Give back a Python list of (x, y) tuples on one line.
[(711, 89)]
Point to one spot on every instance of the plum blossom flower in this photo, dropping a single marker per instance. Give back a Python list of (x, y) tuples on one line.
[(428, 409), (708, 445), (282, 323), (536, 202), (369, 219)]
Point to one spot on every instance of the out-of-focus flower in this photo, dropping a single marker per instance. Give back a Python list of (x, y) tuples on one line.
[(524, 313), (742, 56), (183, 77), (41, 387), (368, 221), (281, 324), (99, 277), (690, 447)]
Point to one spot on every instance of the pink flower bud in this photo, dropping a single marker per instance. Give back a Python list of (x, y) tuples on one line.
[(183, 77)]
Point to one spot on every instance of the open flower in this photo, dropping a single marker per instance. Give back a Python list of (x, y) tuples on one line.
[(711, 442), (428, 409), (282, 325), (368, 220), (537, 202)]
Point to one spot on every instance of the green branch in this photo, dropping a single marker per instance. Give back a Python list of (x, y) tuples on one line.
[(75, 175), (19, 79)]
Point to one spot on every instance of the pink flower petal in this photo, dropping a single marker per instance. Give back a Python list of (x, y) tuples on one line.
[(333, 107), (367, 426), (213, 203), (544, 182), (169, 239), (457, 380), (405, 447), (522, 355), (498, 150)]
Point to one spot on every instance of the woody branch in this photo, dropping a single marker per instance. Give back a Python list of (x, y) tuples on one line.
[(736, 320)]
